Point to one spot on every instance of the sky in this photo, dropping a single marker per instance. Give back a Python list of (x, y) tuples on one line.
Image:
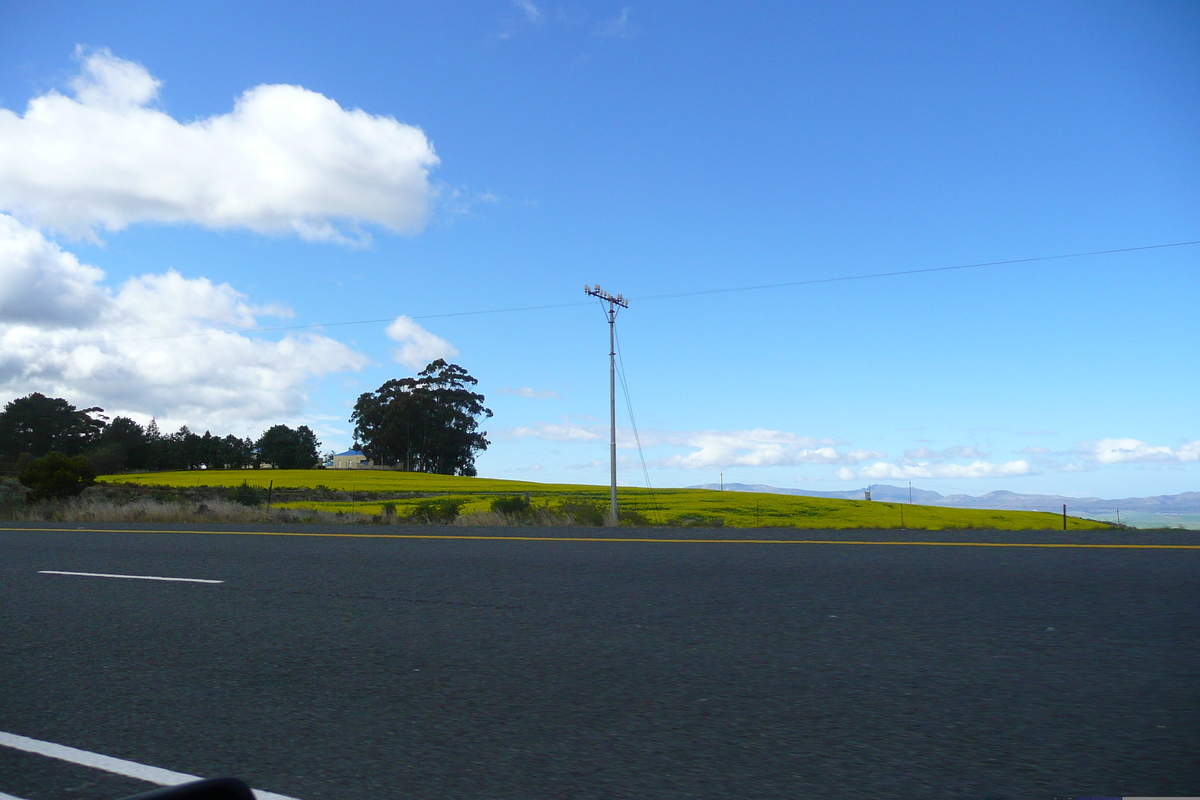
[(233, 215)]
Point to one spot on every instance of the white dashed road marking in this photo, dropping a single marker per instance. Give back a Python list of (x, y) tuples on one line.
[(131, 577), (118, 766)]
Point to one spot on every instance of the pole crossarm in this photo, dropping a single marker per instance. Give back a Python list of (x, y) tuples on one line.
[(596, 291), (611, 313)]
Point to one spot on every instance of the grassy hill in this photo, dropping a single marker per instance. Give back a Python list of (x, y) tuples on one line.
[(365, 491)]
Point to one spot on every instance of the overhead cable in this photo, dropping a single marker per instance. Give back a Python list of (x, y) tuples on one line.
[(755, 287)]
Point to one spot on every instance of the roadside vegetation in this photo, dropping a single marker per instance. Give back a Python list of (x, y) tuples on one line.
[(393, 497), (70, 465)]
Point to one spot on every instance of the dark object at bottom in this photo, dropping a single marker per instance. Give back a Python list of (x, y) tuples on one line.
[(214, 789)]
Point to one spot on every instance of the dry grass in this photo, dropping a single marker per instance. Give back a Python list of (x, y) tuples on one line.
[(90, 509), (539, 518), (93, 509)]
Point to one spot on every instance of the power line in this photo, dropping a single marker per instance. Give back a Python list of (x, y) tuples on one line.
[(729, 290), (334, 324), (912, 271)]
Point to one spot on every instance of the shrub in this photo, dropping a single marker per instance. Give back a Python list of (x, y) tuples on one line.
[(697, 521), (634, 518), (583, 512), (440, 511), (388, 511), (107, 459), (56, 476), (511, 505), (11, 492), (247, 495)]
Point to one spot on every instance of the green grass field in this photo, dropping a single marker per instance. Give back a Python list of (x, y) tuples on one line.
[(662, 506)]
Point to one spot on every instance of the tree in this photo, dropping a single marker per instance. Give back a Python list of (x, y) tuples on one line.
[(55, 475), (234, 453), (285, 448), (37, 424), (426, 424), (122, 445), (129, 439)]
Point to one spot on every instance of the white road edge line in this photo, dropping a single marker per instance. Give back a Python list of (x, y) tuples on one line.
[(132, 577), (118, 766)]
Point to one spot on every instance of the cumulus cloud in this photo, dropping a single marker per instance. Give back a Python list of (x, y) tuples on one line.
[(566, 432), (42, 285), (979, 469), (757, 448), (158, 345), (284, 159), (1133, 451), (533, 394), (417, 346), (923, 454), (752, 448)]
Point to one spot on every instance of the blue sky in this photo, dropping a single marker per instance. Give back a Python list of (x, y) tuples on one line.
[(420, 159)]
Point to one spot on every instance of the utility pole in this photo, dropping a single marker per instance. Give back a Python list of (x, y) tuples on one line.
[(613, 304)]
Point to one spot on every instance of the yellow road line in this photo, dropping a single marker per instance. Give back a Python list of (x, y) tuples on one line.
[(621, 539)]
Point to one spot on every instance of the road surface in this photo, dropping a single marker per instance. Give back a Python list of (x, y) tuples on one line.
[(348, 668)]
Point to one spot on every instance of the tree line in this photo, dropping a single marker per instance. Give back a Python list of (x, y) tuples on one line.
[(35, 425), (429, 423)]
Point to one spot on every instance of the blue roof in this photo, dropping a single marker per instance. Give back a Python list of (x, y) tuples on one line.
[(352, 453)]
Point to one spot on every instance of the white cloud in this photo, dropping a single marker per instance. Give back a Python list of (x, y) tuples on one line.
[(979, 469), (1132, 451), (532, 13), (158, 345), (566, 432), (42, 285), (533, 394), (617, 28), (923, 453), (756, 448), (1034, 450), (855, 456), (752, 448), (284, 159), (417, 346)]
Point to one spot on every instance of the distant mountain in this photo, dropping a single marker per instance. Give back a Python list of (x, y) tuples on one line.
[(1186, 503)]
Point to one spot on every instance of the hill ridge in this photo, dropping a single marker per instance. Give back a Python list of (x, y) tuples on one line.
[(1000, 499)]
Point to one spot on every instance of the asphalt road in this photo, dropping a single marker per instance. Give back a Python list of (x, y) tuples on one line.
[(346, 668)]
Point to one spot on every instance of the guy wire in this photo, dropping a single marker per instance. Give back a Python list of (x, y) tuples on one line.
[(633, 423)]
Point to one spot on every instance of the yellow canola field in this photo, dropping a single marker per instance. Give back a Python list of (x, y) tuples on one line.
[(660, 506), (344, 480)]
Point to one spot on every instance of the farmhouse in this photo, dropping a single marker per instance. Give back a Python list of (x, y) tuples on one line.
[(351, 459)]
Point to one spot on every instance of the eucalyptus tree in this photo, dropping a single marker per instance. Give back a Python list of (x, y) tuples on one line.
[(429, 423)]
